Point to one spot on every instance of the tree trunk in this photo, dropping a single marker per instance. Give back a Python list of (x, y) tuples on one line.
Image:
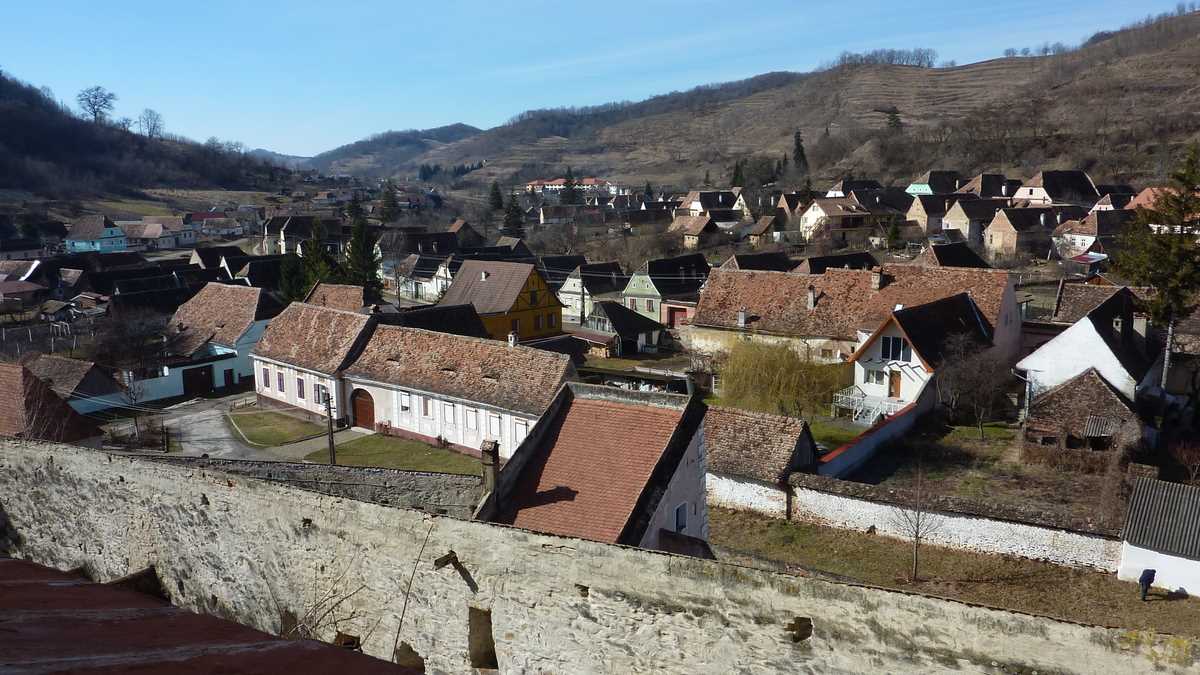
[(915, 558), (1167, 353)]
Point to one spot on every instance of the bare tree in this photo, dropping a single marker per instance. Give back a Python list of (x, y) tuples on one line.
[(133, 343), (914, 520), (150, 123), (96, 101), (1187, 453), (124, 124), (971, 379)]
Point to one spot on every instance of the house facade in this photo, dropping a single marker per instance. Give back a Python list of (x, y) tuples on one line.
[(460, 390), (509, 297), (1059, 188), (587, 284), (970, 217), (95, 233), (667, 289)]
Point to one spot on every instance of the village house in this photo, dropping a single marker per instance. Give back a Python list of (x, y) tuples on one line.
[(928, 211), (894, 363), (1059, 188), (935, 183), (970, 217), (299, 360), (289, 234), (1098, 231), (842, 220), (588, 284), (207, 344), (511, 298), (667, 289), (260, 272), (95, 233), (790, 206), (1081, 423), (608, 465), (1025, 231), (82, 384), (844, 187), (34, 411), (958, 254), (556, 268), (1159, 535), (21, 249), (824, 316), (439, 387), (697, 231), (622, 330), (702, 202), (776, 261), (210, 257), (143, 236), (991, 186), (468, 236), (415, 277), (854, 260), (1104, 339), (767, 230), (751, 455)]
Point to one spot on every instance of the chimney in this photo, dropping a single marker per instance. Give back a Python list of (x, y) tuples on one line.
[(489, 452), (876, 280), (1043, 218), (512, 338), (812, 297), (742, 318), (483, 275), (1061, 217)]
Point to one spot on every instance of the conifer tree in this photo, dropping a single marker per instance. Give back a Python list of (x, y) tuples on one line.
[(570, 193), (293, 282), (737, 180), (354, 209), (514, 219), (389, 207), (799, 159), (1167, 260), (362, 261), (496, 198), (648, 195), (707, 180), (318, 264)]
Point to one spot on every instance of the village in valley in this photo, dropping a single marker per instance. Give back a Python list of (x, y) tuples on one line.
[(727, 424)]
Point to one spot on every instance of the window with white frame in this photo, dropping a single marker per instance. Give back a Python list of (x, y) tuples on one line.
[(874, 377), (405, 402), (320, 393), (471, 417), (896, 349), (426, 407), (279, 380), (300, 388), (521, 430), (266, 378), (494, 426), (681, 517), (448, 412)]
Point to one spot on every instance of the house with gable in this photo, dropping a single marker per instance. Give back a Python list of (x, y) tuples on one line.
[(894, 363), (704, 202), (33, 411), (928, 210), (346, 297), (697, 231), (750, 456), (667, 289), (936, 182), (207, 344), (622, 330), (1026, 230), (958, 254), (301, 356), (460, 390), (1080, 423), (1060, 188), (588, 284), (969, 218), (990, 186), (511, 298), (844, 187), (95, 233), (1159, 534), (841, 219), (1098, 231), (608, 465), (82, 384)]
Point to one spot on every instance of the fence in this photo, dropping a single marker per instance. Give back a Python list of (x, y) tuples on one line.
[(46, 338)]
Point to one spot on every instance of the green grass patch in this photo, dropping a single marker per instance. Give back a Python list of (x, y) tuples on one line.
[(997, 581), (832, 434), (271, 428), (992, 431), (389, 452)]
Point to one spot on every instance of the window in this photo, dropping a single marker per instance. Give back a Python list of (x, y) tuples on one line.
[(633, 303), (279, 379), (533, 298), (551, 320), (875, 377), (681, 518), (448, 412), (472, 419), (522, 429), (516, 326), (300, 388), (266, 379), (426, 408), (321, 393), (896, 349), (494, 426), (650, 305), (827, 353), (537, 322), (405, 402)]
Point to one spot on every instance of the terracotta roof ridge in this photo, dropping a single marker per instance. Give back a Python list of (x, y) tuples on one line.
[(325, 308), (455, 336)]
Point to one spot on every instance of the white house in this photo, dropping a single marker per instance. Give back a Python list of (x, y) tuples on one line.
[(833, 213), (300, 358), (207, 345), (460, 390), (893, 363), (587, 284), (1103, 339), (609, 465), (1160, 535), (1059, 187)]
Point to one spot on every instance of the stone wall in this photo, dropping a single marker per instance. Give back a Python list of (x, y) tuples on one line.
[(441, 493), (266, 553)]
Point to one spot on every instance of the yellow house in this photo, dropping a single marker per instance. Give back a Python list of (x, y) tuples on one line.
[(510, 298)]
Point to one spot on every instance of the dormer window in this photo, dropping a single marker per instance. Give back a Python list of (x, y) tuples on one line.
[(896, 349)]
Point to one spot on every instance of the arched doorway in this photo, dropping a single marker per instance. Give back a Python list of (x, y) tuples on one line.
[(364, 409)]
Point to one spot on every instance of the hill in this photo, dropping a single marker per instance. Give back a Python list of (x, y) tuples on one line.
[(278, 158), (379, 154), (45, 148), (1120, 106)]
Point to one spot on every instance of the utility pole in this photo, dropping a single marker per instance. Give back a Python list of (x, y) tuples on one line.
[(329, 419)]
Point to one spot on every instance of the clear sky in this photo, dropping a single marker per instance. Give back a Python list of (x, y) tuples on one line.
[(301, 77)]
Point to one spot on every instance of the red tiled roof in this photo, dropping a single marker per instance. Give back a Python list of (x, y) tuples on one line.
[(220, 313), (64, 623), (754, 444), (589, 476), (338, 296), (320, 339), (32, 410)]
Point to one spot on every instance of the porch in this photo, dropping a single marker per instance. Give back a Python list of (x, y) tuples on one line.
[(864, 409)]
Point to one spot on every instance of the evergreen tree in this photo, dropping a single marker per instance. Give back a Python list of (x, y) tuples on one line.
[(293, 282), (318, 264), (737, 180), (1169, 260), (496, 198), (570, 193), (648, 195), (514, 219), (799, 158), (894, 122), (354, 209), (707, 181), (389, 207), (893, 234), (362, 261)]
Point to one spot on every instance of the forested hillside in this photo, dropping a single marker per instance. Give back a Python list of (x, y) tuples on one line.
[(47, 149), (379, 154)]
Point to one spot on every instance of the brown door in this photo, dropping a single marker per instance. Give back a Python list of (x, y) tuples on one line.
[(893, 384), (228, 377), (198, 381), (364, 409)]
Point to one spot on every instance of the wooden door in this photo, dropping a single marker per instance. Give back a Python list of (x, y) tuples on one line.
[(364, 409), (893, 384), (228, 377), (198, 381)]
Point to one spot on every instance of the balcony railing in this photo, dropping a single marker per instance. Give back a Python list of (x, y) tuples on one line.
[(865, 409)]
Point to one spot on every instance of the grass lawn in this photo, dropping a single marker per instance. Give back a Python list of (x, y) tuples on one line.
[(390, 452), (833, 433), (997, 581), (271, 428)]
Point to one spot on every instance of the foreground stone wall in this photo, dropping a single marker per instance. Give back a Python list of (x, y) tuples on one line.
[(270, 555)]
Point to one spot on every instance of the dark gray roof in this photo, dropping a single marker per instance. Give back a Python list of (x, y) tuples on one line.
[(1163, 516)]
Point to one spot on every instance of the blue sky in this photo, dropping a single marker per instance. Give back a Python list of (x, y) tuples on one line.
[(301, 77)]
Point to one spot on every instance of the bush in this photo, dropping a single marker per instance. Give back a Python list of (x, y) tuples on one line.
[(775, 379)]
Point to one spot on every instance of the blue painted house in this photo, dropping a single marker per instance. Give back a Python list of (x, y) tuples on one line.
[(95, 233)]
